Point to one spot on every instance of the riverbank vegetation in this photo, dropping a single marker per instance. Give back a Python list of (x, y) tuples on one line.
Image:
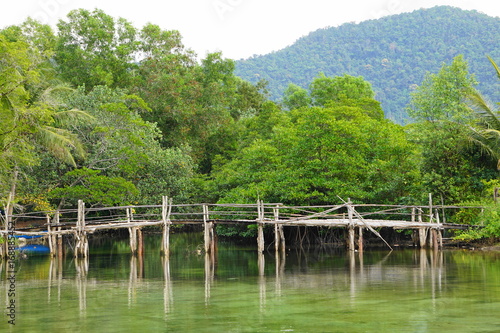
[(114, 115)]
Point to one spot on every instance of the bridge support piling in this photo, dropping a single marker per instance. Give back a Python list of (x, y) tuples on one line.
[(260, 226), (165, 216), (209, 233), (360, 240), (350, 230), (82, 244)]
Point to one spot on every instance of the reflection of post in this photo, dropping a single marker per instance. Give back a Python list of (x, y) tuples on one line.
[(261, 263), (52, 274), (262, 281), (352, 272), (279, 247), (423, 265), (82, 267), (59, 277), (55, 274), (440, 265), (168, 300), (278, 274), (132, 282), (361, 266), (433, 256), (209, 276)]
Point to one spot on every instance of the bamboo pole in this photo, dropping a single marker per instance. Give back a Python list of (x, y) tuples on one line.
[(140, 245), (207, 226), (133, 240), (277, 238), (51, 237), (165, 214), (350, 244), (422, 234), (59, 237), (81, 247), (260, 226), (360, 240)]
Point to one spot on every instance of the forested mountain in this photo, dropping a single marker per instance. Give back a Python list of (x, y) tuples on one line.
[(392, 53)]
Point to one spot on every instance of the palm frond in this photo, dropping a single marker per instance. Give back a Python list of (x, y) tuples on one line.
[(61, 143), (49, 96), (72, 117), (485, 112), (494, 65)]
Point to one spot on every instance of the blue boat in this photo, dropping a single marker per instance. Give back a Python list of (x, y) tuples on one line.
[(28, 236), (35, 249)]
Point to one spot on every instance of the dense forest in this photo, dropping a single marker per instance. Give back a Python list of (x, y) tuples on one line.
[(393, 53), (112, 114)]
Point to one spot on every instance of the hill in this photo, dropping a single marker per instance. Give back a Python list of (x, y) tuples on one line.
[(393, 53)]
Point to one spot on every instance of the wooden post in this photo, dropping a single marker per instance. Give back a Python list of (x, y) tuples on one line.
[(82, 246), (133, 240), (422, 234), (431, 212), (414, 232), (350, 243), (165, 216), (59, 238), (52, 238), (277, 238), (360, 240), (260, 226), (140, 245), (208, 226)]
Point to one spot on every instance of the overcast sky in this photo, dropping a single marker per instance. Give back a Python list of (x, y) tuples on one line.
[(238, 28)]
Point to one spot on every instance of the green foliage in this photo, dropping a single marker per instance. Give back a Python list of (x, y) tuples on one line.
[(313, 155), (489, 218), (31, 119), (95, 49), (337, 89), (440, 97), (95, 189), (295, 97)]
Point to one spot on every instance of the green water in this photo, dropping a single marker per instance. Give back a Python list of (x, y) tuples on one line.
[(310, 291)]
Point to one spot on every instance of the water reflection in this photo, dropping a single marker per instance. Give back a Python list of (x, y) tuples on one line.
[(236, 286), (168, 299), (55, 274), (82, 269)]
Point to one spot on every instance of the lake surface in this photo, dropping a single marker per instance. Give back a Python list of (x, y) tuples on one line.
[(319, 290)]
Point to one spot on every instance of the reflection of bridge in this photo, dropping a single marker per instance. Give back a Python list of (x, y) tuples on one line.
[(426, 271), (427, 222)]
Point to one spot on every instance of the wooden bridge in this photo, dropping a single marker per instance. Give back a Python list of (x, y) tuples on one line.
[(428, 222)]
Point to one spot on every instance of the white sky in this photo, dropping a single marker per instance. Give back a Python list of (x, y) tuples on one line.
[(238, 28)]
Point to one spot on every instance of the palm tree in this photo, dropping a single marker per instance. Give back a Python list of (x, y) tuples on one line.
[(486, 132), (41, 124)]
